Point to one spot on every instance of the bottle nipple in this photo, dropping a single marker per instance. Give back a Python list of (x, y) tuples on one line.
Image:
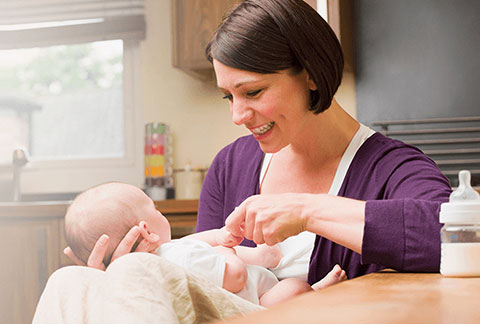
[(464, 191)]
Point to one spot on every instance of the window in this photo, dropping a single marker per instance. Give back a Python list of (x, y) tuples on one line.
[(62, 101), (69, 92)]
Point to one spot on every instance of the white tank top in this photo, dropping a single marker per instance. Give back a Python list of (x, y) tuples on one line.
[(297, 249)]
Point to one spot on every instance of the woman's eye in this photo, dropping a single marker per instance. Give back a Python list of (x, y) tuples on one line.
[(253, 93), (228, 96)]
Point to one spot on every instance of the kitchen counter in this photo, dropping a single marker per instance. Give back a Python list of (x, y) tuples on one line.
[(34, 209), (181, 214), (35, 236), (384, 297)]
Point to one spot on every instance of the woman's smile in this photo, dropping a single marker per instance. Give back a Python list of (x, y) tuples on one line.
[(262, 130)]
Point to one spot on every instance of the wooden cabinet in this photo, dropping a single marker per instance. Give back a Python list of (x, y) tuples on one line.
[(194, 23), (31, 240), (340, 18), (181, 214), (32, 236)]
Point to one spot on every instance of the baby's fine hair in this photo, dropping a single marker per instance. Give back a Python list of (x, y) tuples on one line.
[(267, 36), (103, 209)]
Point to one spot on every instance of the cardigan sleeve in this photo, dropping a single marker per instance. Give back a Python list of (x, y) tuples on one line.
[(211, 203), (402, 228)]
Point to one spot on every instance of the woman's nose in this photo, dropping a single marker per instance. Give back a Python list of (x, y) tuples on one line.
[(240, 113)]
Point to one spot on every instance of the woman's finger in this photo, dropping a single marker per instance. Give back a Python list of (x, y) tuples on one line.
[(235, 221), (143, 246), (249, 225), (126, 244), (258, 233), (148, 244), (95, 260), (149, 241), (69, 253), (147, 235)]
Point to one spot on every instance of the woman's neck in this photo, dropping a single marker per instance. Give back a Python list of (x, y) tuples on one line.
[(325, 137)]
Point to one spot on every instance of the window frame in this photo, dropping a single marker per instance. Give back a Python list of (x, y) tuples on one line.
[(45, 176)]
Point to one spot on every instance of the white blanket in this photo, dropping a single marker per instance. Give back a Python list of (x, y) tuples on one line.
[(136, 288)]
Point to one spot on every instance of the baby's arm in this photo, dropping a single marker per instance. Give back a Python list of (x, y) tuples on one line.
[(235, 275), (216, 237), (262, 255)]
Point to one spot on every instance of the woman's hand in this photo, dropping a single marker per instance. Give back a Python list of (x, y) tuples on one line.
[(273, 218), (269, 219), (148, 243)]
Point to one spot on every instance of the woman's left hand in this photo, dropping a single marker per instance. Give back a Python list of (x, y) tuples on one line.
[(269, 219), (148, 242)]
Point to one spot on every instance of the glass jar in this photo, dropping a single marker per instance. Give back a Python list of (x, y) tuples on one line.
[(158, 160)]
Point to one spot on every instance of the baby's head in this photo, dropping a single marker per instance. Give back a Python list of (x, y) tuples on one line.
[(113, 209)]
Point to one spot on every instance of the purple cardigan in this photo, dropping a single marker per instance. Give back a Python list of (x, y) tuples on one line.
[(402, 186)]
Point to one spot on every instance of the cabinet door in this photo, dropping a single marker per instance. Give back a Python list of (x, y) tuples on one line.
[(194, 24), (30, 253)]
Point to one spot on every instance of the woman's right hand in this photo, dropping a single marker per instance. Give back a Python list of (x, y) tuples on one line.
[(270, 219), (273, 218), (148, 243)]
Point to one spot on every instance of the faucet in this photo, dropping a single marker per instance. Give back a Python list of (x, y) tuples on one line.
[(20, 158)]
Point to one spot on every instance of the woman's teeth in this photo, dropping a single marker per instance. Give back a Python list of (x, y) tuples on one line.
[(263, 129)]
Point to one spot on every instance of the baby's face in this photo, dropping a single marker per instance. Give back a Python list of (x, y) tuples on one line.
[(159, 225), (156, 222)]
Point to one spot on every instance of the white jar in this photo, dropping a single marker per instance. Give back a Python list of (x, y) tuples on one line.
[(461, 232), (188, 182)]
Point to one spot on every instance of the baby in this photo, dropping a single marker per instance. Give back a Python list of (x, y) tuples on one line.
[(114, 208)]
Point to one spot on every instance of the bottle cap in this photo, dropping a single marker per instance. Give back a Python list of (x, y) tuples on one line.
[(464, 204)]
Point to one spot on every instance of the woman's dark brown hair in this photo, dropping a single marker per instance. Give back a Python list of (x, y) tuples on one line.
[(266, 36)]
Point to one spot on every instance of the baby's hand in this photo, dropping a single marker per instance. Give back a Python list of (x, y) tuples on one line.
[(227, 239)]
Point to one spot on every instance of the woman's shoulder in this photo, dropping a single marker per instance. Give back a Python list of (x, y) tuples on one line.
[(242, 144), (383, 155), (380, 147), (243, 149), (381, 162)]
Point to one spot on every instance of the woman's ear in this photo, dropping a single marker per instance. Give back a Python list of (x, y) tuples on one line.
[(311, 84)]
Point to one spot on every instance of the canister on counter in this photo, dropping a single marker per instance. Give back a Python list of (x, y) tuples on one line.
[(158, 160), (461, 231), (188, 182)]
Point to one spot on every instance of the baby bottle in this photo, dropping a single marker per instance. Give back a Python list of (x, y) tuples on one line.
[(461, 231)]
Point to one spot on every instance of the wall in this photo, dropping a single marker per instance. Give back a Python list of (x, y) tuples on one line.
[(199, 118), (417, 59)]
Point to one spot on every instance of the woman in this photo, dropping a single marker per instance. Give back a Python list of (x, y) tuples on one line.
[(373, 202)]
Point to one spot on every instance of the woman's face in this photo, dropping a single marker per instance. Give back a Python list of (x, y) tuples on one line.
[(274, 107)]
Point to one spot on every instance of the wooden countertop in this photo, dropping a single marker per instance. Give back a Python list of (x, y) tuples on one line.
[(385, 297), (58, 208), (181, 214), (187, 206), (44, 209)]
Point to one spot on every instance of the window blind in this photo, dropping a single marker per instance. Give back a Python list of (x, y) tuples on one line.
[(32, 23)]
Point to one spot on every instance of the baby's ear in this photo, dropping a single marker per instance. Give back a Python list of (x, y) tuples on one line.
[(143, 225), (146, 232)]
